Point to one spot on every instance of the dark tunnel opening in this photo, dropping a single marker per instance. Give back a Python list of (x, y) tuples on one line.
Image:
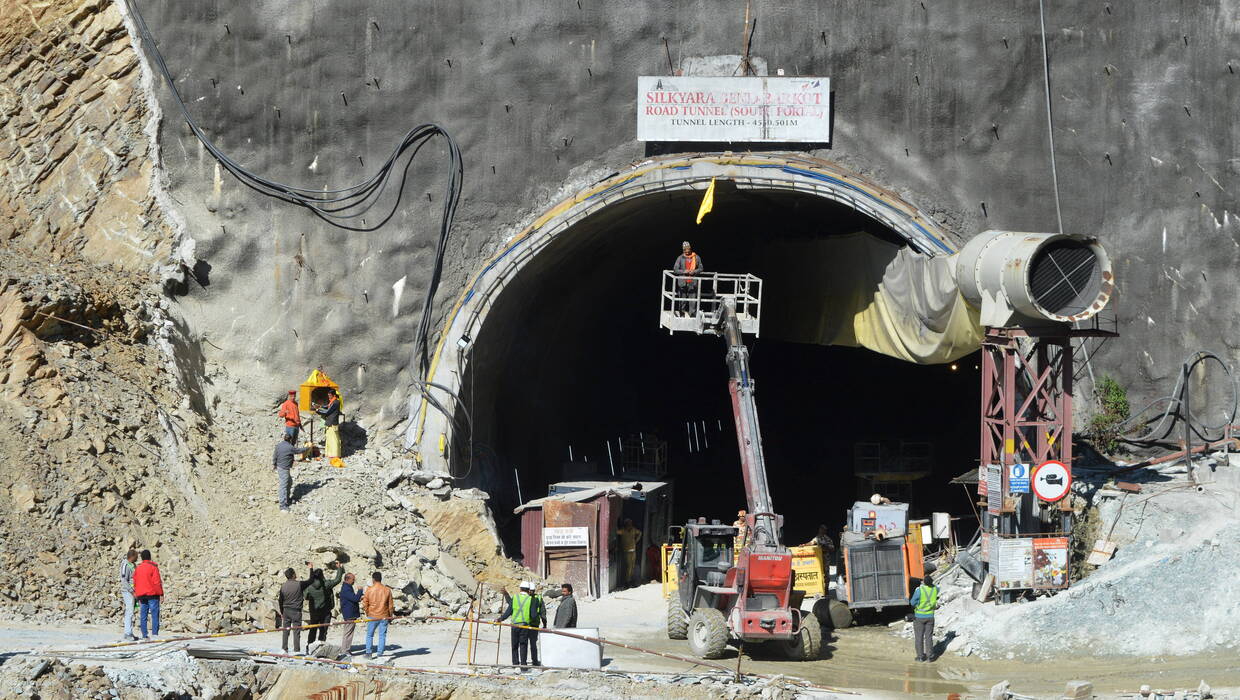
[(572, 357)]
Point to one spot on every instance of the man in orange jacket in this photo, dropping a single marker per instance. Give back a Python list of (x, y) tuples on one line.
[(148, 589), (291, 415), (377, 605)]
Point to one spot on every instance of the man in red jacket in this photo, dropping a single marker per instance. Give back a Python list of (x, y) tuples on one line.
[(148, 588)]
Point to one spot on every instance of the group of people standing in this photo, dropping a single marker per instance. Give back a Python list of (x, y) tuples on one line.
[(141, 590), (287, 449), (315, 595), (528, 610)]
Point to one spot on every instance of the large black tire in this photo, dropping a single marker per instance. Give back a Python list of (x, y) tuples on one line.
[(677, 623), (832, 614), (708, 633), (807, 644)]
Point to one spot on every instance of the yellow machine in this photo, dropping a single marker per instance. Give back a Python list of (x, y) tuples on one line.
[(809, 570)]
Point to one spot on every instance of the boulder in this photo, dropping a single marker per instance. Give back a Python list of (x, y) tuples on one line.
[(410, 576), (457, 569), (23, 497), (393, 475), (358, 542), (442, 587), (435, 483), (421, 477)]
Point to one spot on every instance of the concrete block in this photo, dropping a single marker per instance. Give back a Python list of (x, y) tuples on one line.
[(567, 652)]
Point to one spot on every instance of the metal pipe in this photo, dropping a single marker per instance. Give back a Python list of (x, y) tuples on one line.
[(1018, 278)]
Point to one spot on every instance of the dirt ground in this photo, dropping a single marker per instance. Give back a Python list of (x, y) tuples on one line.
[(871, 660)]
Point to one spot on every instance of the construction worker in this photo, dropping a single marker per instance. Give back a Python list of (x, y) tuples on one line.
[(291, 415), (742, 531), (527, 609), (629, 538), (924, 601), (331, 420), (688, 266), (282, 462)]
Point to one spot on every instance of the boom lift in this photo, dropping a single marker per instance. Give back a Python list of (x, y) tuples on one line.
[(725, 595)]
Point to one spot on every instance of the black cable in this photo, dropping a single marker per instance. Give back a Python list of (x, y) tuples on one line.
[(337, 207), (1178, 409)]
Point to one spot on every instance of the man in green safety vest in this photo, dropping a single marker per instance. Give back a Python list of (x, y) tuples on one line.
[(526, 608), (925, 599)]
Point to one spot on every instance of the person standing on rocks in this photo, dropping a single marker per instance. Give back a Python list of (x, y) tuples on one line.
[(292, 597), (924, 601), (350, 610), (282, 462), (331, 422), (566, 613), (525, 609), (319, 600), (291, 415), (148, 588), (378, 606), (127, 602)]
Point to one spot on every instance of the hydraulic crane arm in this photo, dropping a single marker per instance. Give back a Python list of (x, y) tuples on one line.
[(764, 523)]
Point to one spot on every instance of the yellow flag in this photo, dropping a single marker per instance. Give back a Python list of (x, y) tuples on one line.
[(708, 201)]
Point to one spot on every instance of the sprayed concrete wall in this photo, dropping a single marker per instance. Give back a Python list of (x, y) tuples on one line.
[(941, 102)]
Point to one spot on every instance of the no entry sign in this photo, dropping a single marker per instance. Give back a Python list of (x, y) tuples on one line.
[(1051, 481)]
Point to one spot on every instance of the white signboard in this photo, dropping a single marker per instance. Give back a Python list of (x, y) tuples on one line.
[(1051, 481), (994, 489), (1011, 561), (750, 110), (566, 536)]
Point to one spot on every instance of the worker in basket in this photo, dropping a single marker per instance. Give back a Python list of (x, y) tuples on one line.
[(687, 268)]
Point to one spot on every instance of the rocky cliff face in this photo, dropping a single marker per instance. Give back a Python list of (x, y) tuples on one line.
[(114, 430), (77, 177)]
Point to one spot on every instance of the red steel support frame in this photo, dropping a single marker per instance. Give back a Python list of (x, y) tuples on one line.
[(1027, 421)]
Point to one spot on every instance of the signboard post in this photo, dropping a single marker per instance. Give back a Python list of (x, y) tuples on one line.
[(566, 537), (744, 109), (1051, 481)]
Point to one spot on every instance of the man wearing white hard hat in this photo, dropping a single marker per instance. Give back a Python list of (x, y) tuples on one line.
[(525, 609)]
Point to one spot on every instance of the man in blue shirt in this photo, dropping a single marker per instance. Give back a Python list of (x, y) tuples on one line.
[(350, 611), (924, 601)]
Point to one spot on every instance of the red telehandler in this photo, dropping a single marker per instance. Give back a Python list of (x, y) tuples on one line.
[(724, 595)]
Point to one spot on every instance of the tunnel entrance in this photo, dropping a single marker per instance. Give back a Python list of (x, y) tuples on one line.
[(571, 358)]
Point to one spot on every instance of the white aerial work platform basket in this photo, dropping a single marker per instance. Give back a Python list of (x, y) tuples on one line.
[(694, 307)]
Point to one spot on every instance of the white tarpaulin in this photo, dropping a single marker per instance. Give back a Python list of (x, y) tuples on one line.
[(882, 296)]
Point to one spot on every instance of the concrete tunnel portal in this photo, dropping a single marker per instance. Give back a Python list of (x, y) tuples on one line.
[(556, 345)]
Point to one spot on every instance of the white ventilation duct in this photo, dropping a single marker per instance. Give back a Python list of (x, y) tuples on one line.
[(1030, 279)]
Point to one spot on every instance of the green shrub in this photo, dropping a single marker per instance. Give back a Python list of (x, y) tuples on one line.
[(1112, 411)]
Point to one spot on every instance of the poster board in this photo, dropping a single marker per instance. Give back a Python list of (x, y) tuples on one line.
[(1050, 562), (1011, 562)]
